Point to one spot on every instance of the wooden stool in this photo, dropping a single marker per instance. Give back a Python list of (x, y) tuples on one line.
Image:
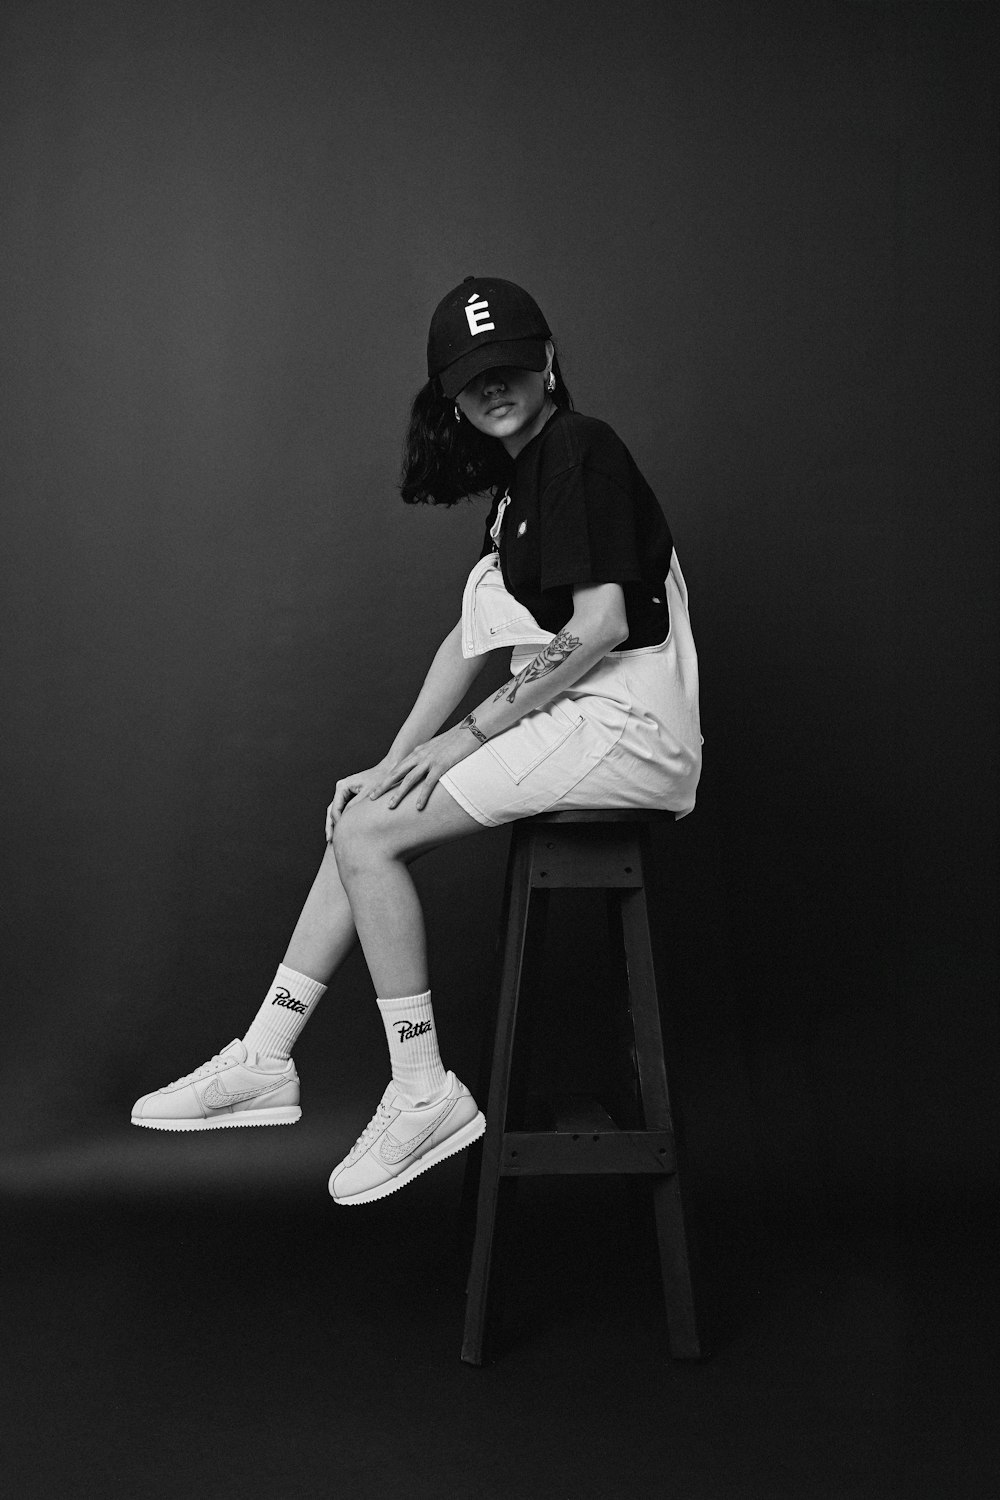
[(609, 850)]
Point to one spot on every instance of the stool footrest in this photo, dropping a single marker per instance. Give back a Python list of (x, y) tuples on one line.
[(526, 1153)]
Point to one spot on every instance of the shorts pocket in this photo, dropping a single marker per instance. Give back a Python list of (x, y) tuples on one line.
[(523, 620), (529, 742)]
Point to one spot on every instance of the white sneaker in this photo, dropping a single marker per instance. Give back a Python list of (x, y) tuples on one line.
[(402, 1140), (227, 1090)]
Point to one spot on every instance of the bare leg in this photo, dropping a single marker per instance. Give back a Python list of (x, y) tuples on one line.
[(325, 932), (390, 925), (374, 845)]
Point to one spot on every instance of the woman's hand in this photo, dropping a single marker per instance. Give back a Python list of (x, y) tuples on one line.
[(354, 786), (425, 765)]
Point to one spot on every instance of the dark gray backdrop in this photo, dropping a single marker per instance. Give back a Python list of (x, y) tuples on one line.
[(765, 237)]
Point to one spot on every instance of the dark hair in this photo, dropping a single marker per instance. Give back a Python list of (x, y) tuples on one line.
[(445, 461)]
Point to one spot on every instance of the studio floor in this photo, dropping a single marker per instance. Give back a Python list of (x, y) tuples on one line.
[(195, 1316)]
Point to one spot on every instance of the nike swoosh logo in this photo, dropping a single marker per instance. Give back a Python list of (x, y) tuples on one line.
[(216, 1097), (392, 1150)]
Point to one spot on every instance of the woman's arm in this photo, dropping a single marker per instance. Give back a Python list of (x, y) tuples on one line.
[(598, 624), (448, 679)]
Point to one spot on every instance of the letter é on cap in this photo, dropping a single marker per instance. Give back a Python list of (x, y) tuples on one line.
[(477, 314)]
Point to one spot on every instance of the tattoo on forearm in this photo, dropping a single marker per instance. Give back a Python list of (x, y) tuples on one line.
[(550, 657)]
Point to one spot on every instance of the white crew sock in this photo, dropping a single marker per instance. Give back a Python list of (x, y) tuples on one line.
[(413, 1050), (290, 1002)]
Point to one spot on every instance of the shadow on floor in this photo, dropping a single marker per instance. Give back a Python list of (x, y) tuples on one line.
[(211, 1322)]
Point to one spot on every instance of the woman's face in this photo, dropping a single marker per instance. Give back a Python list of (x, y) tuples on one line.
[(508, 404)]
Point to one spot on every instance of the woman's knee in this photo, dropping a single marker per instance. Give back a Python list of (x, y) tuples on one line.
[(354, 839), (342, 843), (330, 866)]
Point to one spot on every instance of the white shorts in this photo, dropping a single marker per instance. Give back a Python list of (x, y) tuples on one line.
[(601, 743), (625, 734)]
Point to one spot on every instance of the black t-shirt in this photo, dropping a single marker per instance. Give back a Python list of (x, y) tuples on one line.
[(581, 512)]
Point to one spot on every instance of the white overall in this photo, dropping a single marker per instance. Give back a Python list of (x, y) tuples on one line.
[(625, 734)]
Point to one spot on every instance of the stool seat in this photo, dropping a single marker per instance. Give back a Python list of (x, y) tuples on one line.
[(608, 849), (604, 815)]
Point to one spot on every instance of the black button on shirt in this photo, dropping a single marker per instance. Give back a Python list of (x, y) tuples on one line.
[(580, 511)]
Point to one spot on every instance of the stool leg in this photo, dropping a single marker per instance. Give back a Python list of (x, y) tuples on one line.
[(474, 1155), (668, 1204), (519, 1077), (482, 1271), (627, 1108), (517, 1064)]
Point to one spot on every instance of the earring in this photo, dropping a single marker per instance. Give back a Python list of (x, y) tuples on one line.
[(458, 412), (550, 383)]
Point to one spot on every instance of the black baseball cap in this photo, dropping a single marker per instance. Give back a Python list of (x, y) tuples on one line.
[(483, 323)]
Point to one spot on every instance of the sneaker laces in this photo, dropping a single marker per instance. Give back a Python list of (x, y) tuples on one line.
[(214, 1064), (375, 1125)]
